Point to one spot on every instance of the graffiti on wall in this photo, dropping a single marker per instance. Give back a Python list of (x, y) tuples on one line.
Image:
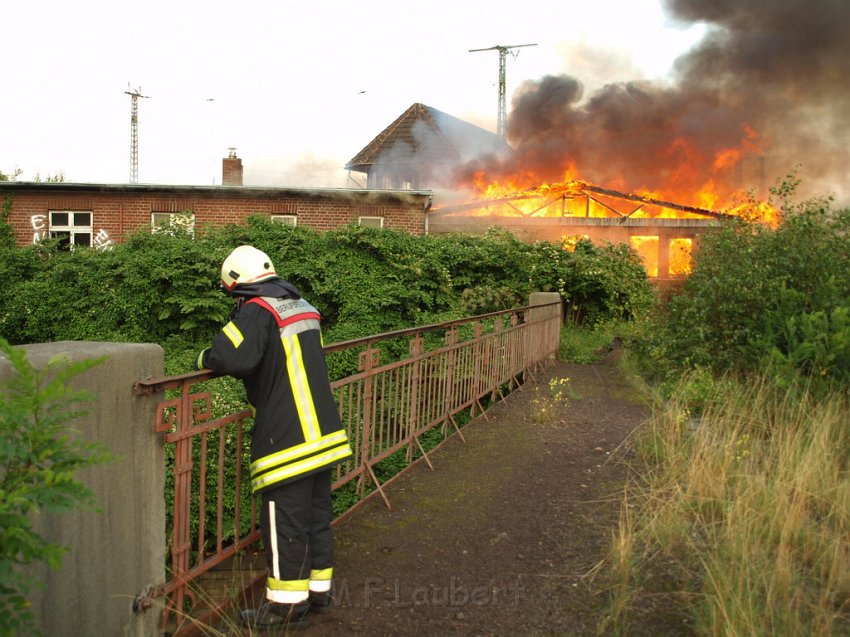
[(39, 226), (102, 241)]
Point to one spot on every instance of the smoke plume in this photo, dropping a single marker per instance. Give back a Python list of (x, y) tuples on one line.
[(765, 91)]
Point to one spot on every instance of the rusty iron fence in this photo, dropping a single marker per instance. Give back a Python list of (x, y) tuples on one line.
[(452, 368)]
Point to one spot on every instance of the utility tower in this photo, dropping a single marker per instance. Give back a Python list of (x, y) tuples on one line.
[(134, 132), (502, 119)]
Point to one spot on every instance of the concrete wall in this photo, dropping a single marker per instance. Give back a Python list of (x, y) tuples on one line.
[(119, 551), (598, 230)]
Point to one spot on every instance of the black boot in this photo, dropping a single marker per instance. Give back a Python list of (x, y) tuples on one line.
[(320, 602), (272, 615)]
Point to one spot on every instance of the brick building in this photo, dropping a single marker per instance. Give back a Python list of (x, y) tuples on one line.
[(100, 214)]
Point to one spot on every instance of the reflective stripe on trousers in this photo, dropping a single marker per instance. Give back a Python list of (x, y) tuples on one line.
[(295, 522)]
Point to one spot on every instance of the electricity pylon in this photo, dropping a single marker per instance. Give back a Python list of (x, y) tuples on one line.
[(502, 118), (134, 132)]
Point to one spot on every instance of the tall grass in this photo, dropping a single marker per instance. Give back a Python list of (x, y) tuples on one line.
[(742, 515)]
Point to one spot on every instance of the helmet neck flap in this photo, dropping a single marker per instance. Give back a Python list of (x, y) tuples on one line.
[(275, 288)]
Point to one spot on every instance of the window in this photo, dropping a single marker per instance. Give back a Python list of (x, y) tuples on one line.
[(647, 248), (72, 227), (680, 256), (173, 222), (287, 220), (372, 222)]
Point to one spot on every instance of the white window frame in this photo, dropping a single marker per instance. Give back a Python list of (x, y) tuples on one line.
[(287, 220), (380, 220), (185, 220), (73, 230)]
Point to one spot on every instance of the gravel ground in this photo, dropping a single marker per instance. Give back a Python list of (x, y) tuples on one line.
[(502, 537)]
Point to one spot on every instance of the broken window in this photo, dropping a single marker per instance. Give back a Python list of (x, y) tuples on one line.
[(647, 248), (680, 256)]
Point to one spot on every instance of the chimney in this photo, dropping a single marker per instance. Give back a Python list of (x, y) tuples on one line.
[(231, 169)]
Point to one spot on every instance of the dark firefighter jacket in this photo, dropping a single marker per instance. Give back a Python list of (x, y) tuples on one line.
[(274, 345)]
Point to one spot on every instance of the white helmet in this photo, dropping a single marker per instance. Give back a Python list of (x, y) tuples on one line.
[(245, 266)]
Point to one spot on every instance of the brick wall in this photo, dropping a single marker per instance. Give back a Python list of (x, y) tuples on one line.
[(120, 210)]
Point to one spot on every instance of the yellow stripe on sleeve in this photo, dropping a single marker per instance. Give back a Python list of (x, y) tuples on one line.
[(232, 332)]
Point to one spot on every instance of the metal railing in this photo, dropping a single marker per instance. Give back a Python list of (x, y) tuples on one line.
[(450, 368)]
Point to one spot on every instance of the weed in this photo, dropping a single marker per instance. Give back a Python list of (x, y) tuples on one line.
[(546, 402)]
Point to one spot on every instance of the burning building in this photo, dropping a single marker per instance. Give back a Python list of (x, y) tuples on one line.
[(425, 147), (663, 233), (761, 97)]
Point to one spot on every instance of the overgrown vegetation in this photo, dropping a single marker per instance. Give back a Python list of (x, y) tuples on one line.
[(738, 514), (39, 461), (161, 287), (740, 518), (761, 296)]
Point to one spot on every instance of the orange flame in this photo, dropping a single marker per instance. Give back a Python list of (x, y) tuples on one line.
[(688, 177)]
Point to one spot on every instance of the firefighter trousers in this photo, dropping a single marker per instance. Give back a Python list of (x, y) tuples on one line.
[(296, 528)]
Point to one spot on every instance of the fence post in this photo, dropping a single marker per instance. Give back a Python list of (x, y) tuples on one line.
[(450, 341), (416, 347)]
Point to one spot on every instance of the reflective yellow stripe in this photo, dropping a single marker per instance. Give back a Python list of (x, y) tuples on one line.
[(301, 388), (232, 332), (288, 585), (286, 597), (275, 554), (293, 453), (296, 468), (324, 574)]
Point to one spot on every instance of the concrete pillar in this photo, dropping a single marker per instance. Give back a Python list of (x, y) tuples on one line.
[(550, 336), (543, 298), (116, 552), (664, 255)]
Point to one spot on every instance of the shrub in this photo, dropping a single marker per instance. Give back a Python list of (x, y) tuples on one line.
[(758, 294)]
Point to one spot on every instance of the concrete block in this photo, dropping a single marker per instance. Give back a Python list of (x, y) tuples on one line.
[(116, 552)]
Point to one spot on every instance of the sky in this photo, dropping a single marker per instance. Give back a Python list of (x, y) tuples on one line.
[(296, 87)]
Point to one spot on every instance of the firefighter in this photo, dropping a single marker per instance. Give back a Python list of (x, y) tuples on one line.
[(273, 344)]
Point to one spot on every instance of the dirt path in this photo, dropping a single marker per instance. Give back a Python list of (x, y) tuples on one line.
[(498, 539)]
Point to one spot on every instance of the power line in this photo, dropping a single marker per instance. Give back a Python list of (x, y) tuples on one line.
[(502, 117)]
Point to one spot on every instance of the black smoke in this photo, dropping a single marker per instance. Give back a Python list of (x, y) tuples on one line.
[(770, 77)]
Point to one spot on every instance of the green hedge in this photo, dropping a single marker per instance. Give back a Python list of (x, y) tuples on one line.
[(163, 287)]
